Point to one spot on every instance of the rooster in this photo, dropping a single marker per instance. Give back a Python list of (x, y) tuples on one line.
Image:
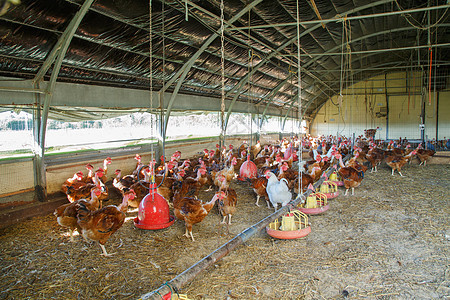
[(140, 189), (396, 162), (83, 191), (227, 172), (305, 180), (227, 204), (139, 165), (76, 180), (352, 177), (288, 173), (66, 214), (107, 161), (100, 224), (374, 156), (259, 185), (424, 154), (119, 182), (278, 191), (255, 149), (192, 211), (90, 173), (192, 185)]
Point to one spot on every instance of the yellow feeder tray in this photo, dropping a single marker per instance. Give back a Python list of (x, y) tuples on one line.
[(330, 189), (293, 225), (316, 203), (334, 177)]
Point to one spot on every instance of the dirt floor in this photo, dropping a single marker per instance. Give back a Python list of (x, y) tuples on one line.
[(388, 241)]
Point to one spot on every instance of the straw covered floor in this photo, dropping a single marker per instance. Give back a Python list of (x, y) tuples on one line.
[(388, 241)]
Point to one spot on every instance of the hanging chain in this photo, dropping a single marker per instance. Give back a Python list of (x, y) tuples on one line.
[(300, 116), (150, 46), (222, 64), (250, 78)]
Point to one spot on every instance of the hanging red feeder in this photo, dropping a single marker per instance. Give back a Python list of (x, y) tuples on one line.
[(248, 169), (153, 211), (288, 152)]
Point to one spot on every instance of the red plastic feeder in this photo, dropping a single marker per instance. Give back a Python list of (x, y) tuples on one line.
[(293, 225), (248, 170), (332, 195), (314, 211), (153, 212), (329, 188), (315, 204), (288, 153)]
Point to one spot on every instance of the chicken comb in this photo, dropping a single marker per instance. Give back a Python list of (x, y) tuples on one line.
[(221, 195), (97, 191), (131, 194)]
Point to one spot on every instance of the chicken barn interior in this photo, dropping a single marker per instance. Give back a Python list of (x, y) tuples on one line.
[(224, 149)]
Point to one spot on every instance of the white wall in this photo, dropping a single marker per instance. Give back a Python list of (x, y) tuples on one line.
[(444, 115), (362, 107)]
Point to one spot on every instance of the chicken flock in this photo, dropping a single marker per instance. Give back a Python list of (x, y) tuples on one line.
[(280, 176)]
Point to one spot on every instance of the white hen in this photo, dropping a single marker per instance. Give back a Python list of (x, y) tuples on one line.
[(278, 191)]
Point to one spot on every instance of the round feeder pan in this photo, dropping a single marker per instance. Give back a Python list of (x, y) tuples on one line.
[(331, 195), (153, 226), (339, 183), (289, 234), (314, 211)]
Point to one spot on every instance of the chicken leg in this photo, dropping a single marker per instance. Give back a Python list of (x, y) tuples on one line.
[(225, 218), (188, 233), (105, 254), (257, 200)]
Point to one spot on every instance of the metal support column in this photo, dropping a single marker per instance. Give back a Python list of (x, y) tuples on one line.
[(387, 105), (161, 138), (58, 53), (437, 115), (39, 178)]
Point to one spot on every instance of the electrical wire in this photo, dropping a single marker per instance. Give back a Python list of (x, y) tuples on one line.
[(417, 26)]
